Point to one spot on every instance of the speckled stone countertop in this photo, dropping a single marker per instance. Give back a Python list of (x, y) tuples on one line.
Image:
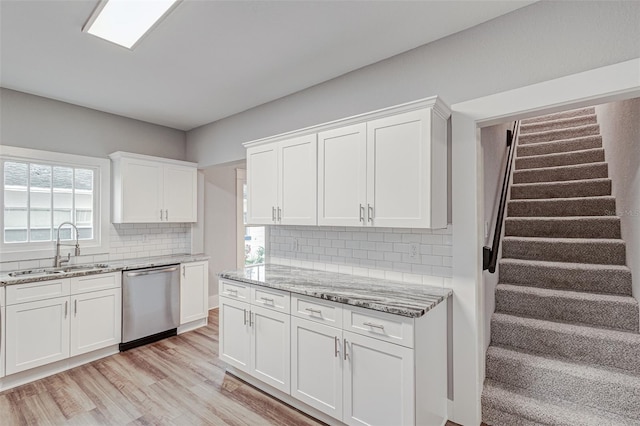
[(409, 300), (40, 274)]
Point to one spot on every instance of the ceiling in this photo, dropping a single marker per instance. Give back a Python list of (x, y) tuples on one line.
[(211, 59)]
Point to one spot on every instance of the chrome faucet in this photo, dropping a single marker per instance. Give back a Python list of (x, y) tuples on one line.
[(58, 259)]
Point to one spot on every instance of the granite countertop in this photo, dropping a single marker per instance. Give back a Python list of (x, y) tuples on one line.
[(102, 268), (410, 300)]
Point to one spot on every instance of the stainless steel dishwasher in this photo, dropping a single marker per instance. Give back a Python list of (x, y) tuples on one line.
[(150, 305)]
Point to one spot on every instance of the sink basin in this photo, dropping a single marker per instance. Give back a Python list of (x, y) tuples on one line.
[(61, 270)]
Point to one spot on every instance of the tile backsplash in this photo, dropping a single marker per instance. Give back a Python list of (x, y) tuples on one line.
[(126, 241), (413, 255)]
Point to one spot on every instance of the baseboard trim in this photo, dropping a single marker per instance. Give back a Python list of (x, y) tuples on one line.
[(214, 301)]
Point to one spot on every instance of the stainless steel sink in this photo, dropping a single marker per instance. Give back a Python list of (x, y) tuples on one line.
[(53, 271)]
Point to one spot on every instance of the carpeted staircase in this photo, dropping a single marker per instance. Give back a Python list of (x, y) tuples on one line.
[(565, 342)]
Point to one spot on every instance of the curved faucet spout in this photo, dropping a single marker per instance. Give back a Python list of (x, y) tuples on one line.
[(58, 260)]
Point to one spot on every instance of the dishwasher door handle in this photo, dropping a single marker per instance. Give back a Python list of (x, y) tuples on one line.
[(155, 271)]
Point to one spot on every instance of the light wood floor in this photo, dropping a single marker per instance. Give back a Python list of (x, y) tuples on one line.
[(177, 381)]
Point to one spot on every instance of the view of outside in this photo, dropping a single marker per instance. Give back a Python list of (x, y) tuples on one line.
[(254, 237), (38, 198)]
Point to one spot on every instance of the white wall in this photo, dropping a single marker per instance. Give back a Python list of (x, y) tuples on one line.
[(620, 127), (537, 43), (35, 122), (220, 235), (494, 157)]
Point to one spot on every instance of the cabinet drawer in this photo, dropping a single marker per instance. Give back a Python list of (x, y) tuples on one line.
[(234, 290), (95, 282), (269, 298), (314, 309), (391, 328), (29, 292)]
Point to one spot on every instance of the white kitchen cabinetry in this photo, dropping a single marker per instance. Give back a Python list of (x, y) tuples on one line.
[(255, 339), (388, 172), (2, 331), (153, 190), (50, 321), (194, 291), (281, 182)]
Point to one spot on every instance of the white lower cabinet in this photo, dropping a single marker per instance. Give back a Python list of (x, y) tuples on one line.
[(194, 291), (235, 337), (37, 333), (52, 321)]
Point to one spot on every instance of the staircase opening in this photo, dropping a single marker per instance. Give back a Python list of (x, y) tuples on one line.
[(563, 343)]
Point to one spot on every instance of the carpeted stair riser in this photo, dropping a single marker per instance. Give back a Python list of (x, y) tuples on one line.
[(561, 123), (607, 279), (564, 189), (612, 348), (555, 207), (598, 310), (505, 405), (553, 135), (603, 389), (561, 159), (562, 173), (574, 250), (565, 145), (563, 227), (561, 115)]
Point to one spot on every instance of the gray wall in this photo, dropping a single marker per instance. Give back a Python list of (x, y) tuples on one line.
[(537, 43), (620, 127), (35, 122)]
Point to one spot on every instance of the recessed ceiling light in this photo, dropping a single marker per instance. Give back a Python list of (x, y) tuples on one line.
[(124, 22)]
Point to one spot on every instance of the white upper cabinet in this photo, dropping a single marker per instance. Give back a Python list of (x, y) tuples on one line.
[(152, 190), (387, 168), (281, 182)]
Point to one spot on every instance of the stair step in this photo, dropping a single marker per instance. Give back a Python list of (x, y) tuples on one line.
[(555, 207), (606, 347), (576, 250), (606, 279), (563, 227), (595, 155), (553, 135), (559, 123), (504, 405), (564, 145), (563, 189), (600, 310), (585, 385), (561, 115), (562, 173)]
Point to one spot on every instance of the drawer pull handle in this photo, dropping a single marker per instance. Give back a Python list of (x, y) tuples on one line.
[(268, 300), (345, 349), (314, 311), (66, 308), (336, 342), (372, 325), (232, 292), (245, 316)]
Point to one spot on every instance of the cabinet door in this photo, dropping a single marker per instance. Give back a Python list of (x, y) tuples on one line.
[(398, 170), (141, 191), (316, 365), (2, 333), (378, 382), (297, 178), (95, 320), (194, 291), (270, 347), (180, 193), (262, 184), (234, 333), (342, 176), (37, 334)]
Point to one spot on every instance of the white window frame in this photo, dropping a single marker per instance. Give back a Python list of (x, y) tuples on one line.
[(102, 203), (241, 180)]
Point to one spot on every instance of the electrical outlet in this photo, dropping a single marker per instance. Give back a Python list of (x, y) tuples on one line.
[(413, 250)]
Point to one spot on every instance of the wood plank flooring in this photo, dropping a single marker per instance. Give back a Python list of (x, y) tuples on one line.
[(177, 381)]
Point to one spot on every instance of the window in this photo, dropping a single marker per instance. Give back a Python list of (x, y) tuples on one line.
[(252, 247), (41, 190)]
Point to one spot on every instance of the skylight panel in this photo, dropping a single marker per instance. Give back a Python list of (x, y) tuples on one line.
[(124, 22)]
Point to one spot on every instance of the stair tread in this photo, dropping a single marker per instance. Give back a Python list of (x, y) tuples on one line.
[(542, 410), (567, 265), (568, 294), (563, 218), (566, 240), (569, 166), (560, 154), (576, 368), (576, 112), (563, 130), (560, 120), (562, 199), (558, 143), (560, 182)]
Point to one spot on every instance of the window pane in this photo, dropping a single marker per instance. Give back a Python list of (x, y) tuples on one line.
[(40, 234), (254, 247), (15, 235), (84, 179), (15, 174), (85, 233), (40, 176), (62, 178)]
